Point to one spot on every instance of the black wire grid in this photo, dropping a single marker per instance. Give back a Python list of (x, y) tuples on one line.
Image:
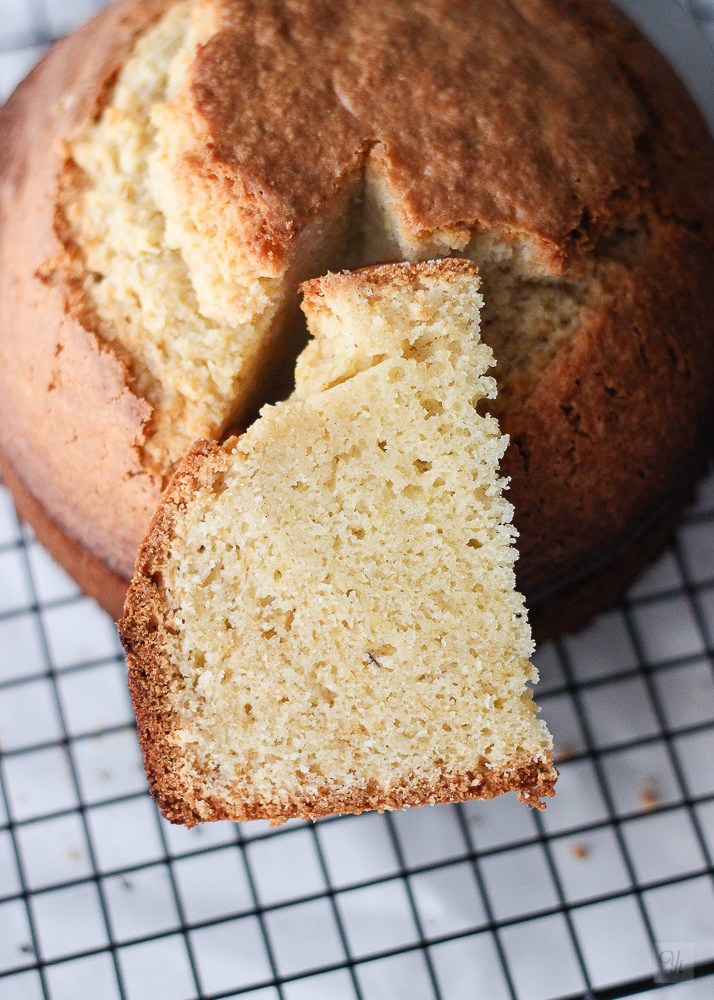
[(607, 894)]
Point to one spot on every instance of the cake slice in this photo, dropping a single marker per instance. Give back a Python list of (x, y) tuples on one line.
[(323, 617)]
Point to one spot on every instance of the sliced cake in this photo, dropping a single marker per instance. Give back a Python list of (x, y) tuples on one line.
[(323, 617)]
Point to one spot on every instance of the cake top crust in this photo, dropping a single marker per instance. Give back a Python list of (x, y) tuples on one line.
[(510, 114)]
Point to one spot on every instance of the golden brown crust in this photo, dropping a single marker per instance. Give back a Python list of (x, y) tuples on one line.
[(391, 275), (435, 95), (620, 422), (445, 114), (70, 426), (532, 782)]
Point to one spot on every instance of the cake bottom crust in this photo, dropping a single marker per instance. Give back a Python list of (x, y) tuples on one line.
[(565, 610), (532, 780)]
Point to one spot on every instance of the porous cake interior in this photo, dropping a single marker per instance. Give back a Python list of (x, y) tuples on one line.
[(203, 333), (208, 327), (338, 595)]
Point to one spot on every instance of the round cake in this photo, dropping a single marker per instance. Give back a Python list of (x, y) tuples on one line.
[(170, 174)]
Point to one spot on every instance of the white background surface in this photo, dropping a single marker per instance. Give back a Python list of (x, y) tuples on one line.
[(116, 903)]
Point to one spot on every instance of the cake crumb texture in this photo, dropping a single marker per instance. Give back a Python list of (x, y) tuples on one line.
[(324, 615)]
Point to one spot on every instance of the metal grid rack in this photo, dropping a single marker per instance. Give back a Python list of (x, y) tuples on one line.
[(609, 893)]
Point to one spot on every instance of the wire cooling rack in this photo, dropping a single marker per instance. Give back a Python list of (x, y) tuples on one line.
[(609, 893)]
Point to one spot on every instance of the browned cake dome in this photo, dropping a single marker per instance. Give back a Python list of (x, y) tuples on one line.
[(170, 173)]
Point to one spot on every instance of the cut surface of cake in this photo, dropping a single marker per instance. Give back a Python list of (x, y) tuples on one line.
[(323, 617)]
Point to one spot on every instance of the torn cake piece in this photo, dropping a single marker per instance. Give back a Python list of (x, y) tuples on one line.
[(323, 617)]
